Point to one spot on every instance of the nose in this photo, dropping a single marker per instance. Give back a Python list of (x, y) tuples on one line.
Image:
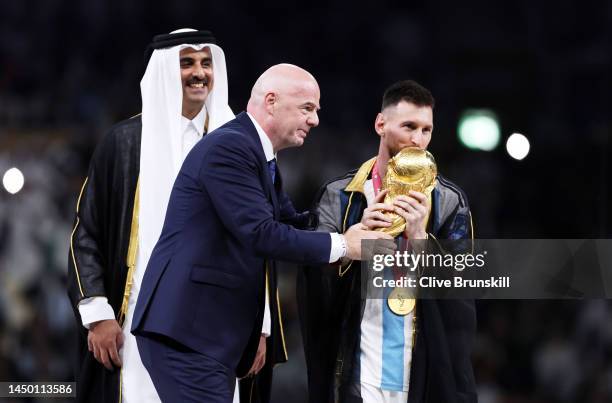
[(416, 137), (199, 71), (313, 120)]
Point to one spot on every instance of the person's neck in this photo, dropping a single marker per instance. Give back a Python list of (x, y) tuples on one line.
[(275, 146), (382, 159), (266, 127), (191, 112)]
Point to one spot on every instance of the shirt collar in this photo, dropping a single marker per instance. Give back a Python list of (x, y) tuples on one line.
[(197, 122), (265, 140)]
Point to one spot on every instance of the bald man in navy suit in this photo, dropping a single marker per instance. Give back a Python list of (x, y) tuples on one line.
[(199, 313)]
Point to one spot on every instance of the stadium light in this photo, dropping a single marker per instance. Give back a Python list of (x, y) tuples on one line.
[(13, 180), (517, 146), (478, 129)]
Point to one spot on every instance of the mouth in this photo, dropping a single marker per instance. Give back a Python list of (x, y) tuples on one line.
[(197, 85)]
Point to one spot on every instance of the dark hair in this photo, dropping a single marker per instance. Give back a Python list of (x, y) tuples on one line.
[(409, 91)]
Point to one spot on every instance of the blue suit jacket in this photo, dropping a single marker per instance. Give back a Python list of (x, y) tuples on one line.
[(205, 281)]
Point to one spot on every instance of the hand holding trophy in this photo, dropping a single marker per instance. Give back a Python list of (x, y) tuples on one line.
[(411, 169)]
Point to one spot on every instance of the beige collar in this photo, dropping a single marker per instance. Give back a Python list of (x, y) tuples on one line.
[(356, 185)]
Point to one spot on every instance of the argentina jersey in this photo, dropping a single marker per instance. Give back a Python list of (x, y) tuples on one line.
[(385, 348)]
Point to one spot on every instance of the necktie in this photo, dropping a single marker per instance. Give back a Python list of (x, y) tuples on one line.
[(272, 169)]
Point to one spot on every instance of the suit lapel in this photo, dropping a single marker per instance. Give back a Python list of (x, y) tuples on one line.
[(264, 173)]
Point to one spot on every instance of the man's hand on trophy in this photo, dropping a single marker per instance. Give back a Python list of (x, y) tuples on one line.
[(381, 242), (414, 208), (374, 216)]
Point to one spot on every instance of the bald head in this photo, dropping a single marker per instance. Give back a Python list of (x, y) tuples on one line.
[(281, 79), (284, 101)]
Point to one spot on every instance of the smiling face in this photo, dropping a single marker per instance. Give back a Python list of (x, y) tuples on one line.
[(295, 113), (404, 125), (196, 79)]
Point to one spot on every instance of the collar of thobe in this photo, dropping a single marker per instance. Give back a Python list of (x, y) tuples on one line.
[(197, 122), (265, 140)]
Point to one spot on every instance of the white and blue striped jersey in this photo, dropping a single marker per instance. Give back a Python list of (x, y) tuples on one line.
[(385, 348)]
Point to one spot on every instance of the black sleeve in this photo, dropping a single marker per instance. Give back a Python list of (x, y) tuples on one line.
[(459, 315), (87, 259), (458, 225)]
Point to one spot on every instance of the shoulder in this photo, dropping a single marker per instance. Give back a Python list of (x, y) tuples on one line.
[(336, 185), (450, 193), (332, 197), (231, 135), (330, 202), (453, 210), (126, 132), (230, 144), (123, 137), (128, 127)]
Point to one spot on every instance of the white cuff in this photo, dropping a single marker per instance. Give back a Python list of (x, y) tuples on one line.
[(94, 309), (266, 327), (338, 247)]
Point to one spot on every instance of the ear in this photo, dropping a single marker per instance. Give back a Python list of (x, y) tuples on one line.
[(269, 102), (379, 124)]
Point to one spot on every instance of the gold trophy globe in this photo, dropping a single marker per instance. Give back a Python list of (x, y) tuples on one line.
[(410, 169)]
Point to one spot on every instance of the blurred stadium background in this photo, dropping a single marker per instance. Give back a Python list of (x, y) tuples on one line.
[(70, 69)]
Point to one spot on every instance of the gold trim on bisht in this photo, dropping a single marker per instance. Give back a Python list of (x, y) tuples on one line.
[(120, 384), (131, 256), (280, 322), (280, 315), (76, 225)]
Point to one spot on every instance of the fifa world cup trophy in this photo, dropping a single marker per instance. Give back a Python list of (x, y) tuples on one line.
[(411, 169)]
